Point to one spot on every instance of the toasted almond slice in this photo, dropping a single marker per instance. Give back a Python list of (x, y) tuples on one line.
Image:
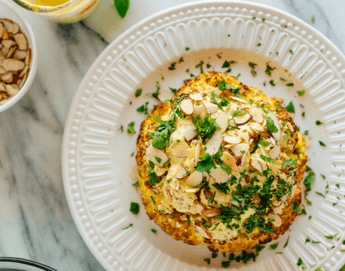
[(245, 159), (203, 232), (181, 172), (255, 126), (22, 82), (159, 170), (21, 41), (276, 123), (255, 164), (289, 126), (194, 179), (7, 25), (211, 212), (199, 110), (2, 87), (16, 28), (15, 65), (219, 174), (257, 115), (196, 96), (7, 77), (4, 34), (190, 133), (229, 161), (240, 148), (232, 139), (28, 58), (279, 210), (238, 99), (179, 150), (187, 107), (165, 95), (20, 55), (242, 119), (197, 152), (293, 191), (190, 190), (205, 195), (23, 72), (4, 51), (11, 51), (275, 152), (211, 107), (214, 142), (261, 178), (277, 220), (2, 70), (290, 180), (153, 152), (11, 90), (1, 29), (222, 120), (307, 139), (134, 174), (8, 43), (190, 153)]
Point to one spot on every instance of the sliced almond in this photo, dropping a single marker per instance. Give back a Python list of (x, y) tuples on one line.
[(1, 29), (11, 90), (257, 115), (205, 195), (190, 153), (289, 126), (8, 43), (211, 107), (275, 152), (293, 191), (255, 126), (181, 172), (190, 133), (165, 96), (179, 150), (187, 107), (211, 212), (239, 99), (23, 72), (199, 110), (222, 120), (16, 28), (11, 51), (4, 51), (242, 119), (261, 178), (4, 34), (277, 220), (7, 25), (159, 170), (219, 175), (214, 142), (2, 87), (134, 174), (245, 159), (15, 65), (196, 96), (258, 164), (153, 152), (229, 161), (232, 139), (28, 58), (7, 77), (2, 70), (203, 232), (194, 179), (276, 123), (307, 139), (20, 55), (240, 149), (205, 176), (197, 152), (21, 41)]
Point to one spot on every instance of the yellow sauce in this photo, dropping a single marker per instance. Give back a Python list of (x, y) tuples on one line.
[(50, 2)]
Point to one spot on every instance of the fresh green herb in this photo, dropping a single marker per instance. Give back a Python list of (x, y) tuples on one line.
[(315, 242), (306, 132), (211, 199), (269, 69), (158, 159), (252, 65), (331, 236), (287, 242), (283, 79), (290, 108), (259, 44), (272, 83), (130, 128), (322, 144), (163, 132), (264, 143), (223, 101), (299, 262), (274, 246), (181, 60), (121, 128), (239, 112), (263, 20), (290, 84), (166, 163), (254, 18), (186, 48), (136, 183), (313, 19), (253, 72), (301, 93), (208, 65), (288, 163), (138, 92), (222, 187), (143, 108), (200, 65), (173, 90), (214, 255), (206, 127), (130, 225), (172, 66), (154, 231), (205, 163), (320, 194), (219, 55), (134, 208), (267, 159), (156, 94), (122, 7), (270, 126), (291, 52), (318, 122), (153, 200), (303, 114), (309, 180)]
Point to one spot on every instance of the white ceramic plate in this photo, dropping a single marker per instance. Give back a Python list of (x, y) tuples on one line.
[(97, 156)]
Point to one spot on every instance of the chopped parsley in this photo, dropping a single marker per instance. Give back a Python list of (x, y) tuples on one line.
[(259, 44), (288, 163), (252, 65), (143, 108), (130, 128), (267, 159), (173, 90), (206, 127), (121, 128), (289, 84), (163, 132), (207, 260), (156, 94), (172, 66), (290, 108), (154, 231), (331, 236), (287, 242), (181, 60), (136, 183), (301, 93), (200, 65), (291, 52), (270, 126), (186, 48), (222, 85), (313, 19), (223, 101), (253, 72), (318, 122), (205, 163), (274, 246), (272, 83), (130, 225), (138, 92), (269, 69), (322, 144), (134, 208), (299, 262), (264, 143), (239, 112)]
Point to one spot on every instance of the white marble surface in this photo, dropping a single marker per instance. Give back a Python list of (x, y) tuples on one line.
[(35, 220)]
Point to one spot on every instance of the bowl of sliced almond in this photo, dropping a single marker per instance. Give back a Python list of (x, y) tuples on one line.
[(18, 55)]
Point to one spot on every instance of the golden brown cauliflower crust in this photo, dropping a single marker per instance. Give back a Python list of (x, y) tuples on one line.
[(175, 223)]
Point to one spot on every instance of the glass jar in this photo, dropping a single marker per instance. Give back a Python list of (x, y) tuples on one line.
[(71, 11)]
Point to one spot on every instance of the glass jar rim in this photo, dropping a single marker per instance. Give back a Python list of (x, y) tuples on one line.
[(43, 9)]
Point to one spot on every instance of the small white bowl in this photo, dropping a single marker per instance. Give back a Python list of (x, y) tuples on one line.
[(9, 11)]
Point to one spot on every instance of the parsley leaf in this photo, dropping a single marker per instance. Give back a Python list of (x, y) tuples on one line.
[(206, 127), (309, 180), (264, 143), (270, 126), (301, 93), (122, 7), (134, 208), (138, 92), (290, 108), (163, 132), (269, 69), (130, 128), (205, 163), (267, 159), (322, 144), (288, 163), (274, 246), (130, 225)]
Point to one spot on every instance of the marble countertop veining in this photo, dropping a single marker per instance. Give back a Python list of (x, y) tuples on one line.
[(35, 220)]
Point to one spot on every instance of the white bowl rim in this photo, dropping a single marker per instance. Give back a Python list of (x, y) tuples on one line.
[(33, 69)]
